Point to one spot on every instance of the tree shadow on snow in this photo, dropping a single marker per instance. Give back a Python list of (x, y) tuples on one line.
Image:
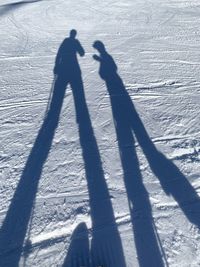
[(15, 225), (12, 6), (173, 182), (106, 247)]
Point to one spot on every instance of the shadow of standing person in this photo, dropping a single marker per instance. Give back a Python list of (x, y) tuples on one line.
[(15, 224), (149, 251), (67, 69), (171, 178)]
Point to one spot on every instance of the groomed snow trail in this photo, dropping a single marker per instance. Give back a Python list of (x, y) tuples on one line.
[(110, 174)]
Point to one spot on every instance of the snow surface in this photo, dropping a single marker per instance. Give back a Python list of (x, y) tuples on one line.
[(110, 176)]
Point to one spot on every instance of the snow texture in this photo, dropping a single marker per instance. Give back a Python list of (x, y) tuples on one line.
[(100, 133)]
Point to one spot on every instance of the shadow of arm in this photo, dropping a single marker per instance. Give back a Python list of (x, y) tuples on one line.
[(80, 49)]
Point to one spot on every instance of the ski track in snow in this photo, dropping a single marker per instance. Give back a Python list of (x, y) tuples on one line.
[(155, 45)]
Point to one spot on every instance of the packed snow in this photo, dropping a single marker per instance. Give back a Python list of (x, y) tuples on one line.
[(100, 133)]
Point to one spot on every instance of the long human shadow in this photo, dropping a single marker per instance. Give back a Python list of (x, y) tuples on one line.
[(15, 224), (148, 247), (172, 180), (106, 247)]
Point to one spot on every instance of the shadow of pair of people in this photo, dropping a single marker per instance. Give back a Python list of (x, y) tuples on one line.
[(129, 126), (106, 246), (149, 251)]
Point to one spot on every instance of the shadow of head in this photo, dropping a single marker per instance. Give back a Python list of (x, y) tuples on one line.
[(99, 46), (73, 34), (108, 67)]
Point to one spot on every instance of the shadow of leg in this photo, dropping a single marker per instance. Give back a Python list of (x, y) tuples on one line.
[(106, 246)]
